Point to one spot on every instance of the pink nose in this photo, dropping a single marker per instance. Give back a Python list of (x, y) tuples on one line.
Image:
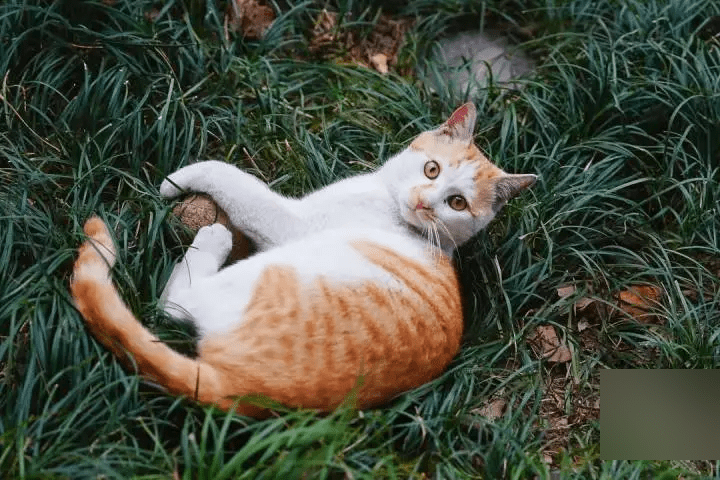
[(420, 206)]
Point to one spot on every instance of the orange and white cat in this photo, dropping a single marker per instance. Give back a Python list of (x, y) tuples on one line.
[(351, 292)]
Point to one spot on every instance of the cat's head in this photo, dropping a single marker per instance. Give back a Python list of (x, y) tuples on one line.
[(446, 187)]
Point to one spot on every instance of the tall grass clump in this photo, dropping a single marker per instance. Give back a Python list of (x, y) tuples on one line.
[(100, 100)]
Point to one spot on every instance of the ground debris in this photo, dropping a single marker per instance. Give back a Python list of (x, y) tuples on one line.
[(249, 17), (637, 301), (565, 407), (493, 409), (330, 39), (547, 345)]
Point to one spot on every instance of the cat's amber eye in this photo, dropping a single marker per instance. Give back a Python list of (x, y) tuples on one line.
[(432, 169), (457, 202)]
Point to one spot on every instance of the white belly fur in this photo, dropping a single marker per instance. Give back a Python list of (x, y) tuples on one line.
[(217, 303)]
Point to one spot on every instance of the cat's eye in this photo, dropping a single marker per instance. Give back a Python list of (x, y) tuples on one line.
[(432, 169), (457, 202)]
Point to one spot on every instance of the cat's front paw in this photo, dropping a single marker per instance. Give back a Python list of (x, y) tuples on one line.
[(197, 177), (215, 239), (169, 189), (184, 180)]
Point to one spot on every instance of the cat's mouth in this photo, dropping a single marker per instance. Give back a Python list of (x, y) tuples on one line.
[(425, 215), (423, 221), (420, 215)]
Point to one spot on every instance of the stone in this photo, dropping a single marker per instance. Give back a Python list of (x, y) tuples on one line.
[(468, 60)]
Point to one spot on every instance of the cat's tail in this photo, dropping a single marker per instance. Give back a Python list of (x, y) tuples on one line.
[(113, 324)]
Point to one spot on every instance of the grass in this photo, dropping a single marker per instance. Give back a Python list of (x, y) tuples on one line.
[(620, 120)]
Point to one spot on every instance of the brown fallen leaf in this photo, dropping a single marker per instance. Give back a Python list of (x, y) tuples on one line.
[(638, 302), (249, 17), (565, 291), (548, 345), (324, 32), (335, 38), (492, 410), (580, 304), (558, 423), (151, 15)]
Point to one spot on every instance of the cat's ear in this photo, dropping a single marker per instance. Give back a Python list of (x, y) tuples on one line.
[(461, 124), (510, 185)]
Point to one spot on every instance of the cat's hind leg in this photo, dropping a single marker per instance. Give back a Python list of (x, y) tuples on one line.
[(208, 252)]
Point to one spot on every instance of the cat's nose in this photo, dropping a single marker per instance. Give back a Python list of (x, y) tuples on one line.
[(421, 206)]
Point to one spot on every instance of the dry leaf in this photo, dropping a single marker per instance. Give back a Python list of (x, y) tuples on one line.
[(549, 346), (559, 422), (565, 291), (638, 301), (380, 62), (492, 410), (151, 15), (581, 303), (377, 49), (694, 295), (250, 18), (324, 32)]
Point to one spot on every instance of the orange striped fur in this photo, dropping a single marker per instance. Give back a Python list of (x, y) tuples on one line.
[(302, 346)]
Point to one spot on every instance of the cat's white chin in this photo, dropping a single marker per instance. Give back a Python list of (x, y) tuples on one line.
[(413, 218), (419, 220)]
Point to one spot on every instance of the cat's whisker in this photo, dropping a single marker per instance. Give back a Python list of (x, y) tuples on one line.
[(431, 236), (434, 238), (437, 243), (430, 232), (449, 235)]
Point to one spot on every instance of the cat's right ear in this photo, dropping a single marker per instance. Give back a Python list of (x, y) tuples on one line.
[(460, 126), (510, 185)]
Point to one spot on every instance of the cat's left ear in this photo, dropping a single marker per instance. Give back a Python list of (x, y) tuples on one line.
[(510, 185), (461, 124)]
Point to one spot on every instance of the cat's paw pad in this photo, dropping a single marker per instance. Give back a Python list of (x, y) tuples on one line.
[(215, 239)]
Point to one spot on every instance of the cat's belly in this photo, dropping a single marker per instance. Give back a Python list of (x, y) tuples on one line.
[(218, 303)]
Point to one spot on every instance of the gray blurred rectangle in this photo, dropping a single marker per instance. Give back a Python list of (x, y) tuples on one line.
[(659, 414)]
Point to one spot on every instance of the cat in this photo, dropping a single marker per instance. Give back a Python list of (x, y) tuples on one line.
[(351, 294)]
